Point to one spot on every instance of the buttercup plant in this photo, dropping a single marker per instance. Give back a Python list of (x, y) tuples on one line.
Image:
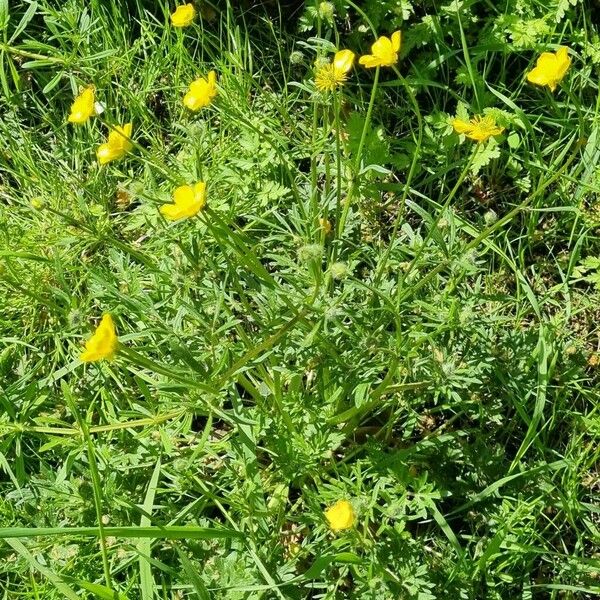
[(378, 300)]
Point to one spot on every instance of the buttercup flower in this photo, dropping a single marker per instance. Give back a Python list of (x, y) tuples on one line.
[(83, 107), (384, 52), (550, 68), (117, 146), (478, 128), (331, 75), (183, 15), (340, 516), (201, 92), (103, 344), (187, 201)]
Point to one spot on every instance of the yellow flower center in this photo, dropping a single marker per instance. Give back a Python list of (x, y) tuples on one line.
[(328, 78)]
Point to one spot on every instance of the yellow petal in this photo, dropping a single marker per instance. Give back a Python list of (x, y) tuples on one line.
[(187, 201), (200, 192), (538, 76), (201, 92), (340, 516), (183, 15), (172, 212), (183, 195), (83, 106), (106, 153), (369, 61), (78, 116), (396, 40), (550, 68), (104, 342), (546, 61), (343, 61), (119, 137), (190, 100), (461, 126), (382, 47), (563, 62)]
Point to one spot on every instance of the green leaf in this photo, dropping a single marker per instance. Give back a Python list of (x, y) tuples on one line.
[(100, 591), (29, 13), (193, 576), (145, 546), (169, 532), (4, 17), (324, 561)]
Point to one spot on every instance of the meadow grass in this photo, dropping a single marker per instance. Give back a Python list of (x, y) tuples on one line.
[(370, 308)]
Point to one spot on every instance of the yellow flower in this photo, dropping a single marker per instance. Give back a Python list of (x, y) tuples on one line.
[(384, 52), (183, 15), (117, 146), (331, 75), (201, 92), (340, 515), (550, 68), (187, 201), (103, 344), (83, 106), (478, 128)]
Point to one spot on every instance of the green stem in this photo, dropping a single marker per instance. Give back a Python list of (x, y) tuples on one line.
[(363, 138), (314, 177), (338, 157), (32, 55)]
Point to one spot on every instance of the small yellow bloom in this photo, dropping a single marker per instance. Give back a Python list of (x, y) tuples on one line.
[(384, 52), (187, 201), (183, 15), (340, 515), (334, 74), (103, 344), (478, 128), (550, 68), (117, 146), (83, 107), (201, 92)]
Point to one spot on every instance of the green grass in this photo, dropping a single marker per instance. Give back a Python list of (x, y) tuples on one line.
[(433, 359)]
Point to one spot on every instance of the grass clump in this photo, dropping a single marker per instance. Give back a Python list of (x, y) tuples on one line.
[(299, 300)]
